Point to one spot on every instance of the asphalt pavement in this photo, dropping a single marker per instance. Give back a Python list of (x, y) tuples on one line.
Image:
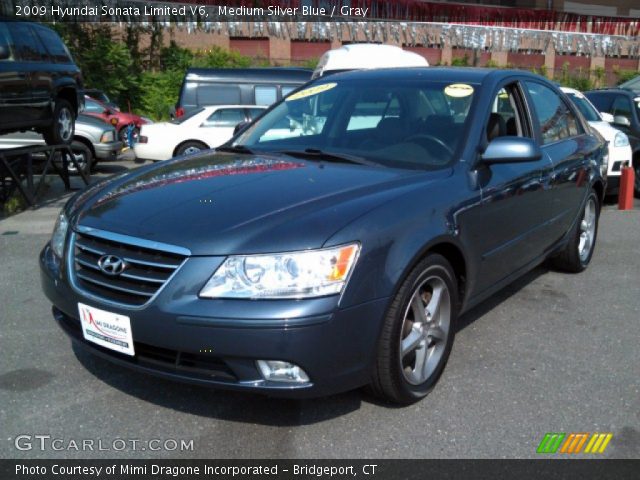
[(551, 353)]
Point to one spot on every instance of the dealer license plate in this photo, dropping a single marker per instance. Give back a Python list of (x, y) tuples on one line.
[(107, 329)]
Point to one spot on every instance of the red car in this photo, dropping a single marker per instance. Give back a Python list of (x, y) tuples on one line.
[(120, 120)]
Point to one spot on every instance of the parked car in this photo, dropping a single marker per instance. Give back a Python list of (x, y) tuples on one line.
[(366, 55), (201, 129), (308, 265), (101, 97), (618, 143), (633, 84), (120, 120), (203, 87), (93, 141), (624, 105), (40, 85)]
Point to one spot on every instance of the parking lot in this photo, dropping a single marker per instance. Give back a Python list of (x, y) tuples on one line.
[(551, 353)]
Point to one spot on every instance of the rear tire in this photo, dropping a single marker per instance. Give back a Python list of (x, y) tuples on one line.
[(189, 148), (414, 347), (62, 128), (576, 255)]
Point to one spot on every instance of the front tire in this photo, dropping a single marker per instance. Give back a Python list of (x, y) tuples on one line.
[(578, 252), (83, 156), (417, 334), (63, 127)]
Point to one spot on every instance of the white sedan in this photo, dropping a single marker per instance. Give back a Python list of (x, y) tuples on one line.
[(618, 142), (200, 129)]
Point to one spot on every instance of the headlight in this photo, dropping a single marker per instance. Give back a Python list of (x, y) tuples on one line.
[(620, 140), (311, 273), (107, 137), (59, 235)]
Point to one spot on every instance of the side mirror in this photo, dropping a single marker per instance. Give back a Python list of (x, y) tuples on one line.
[(5, 54), (607, 117), (240, 126), (511, 150), (622, 121)]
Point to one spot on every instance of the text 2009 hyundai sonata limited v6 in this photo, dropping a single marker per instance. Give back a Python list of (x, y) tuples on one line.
[(333, 242)]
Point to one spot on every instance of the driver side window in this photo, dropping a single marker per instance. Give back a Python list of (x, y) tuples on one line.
[(506, 118)]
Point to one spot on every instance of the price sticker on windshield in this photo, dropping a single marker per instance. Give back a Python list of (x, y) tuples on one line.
[(458, 90), (307, 92)]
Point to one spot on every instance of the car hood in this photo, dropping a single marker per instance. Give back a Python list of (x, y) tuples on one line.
[(91, 126), (130, 118), (223, 203)]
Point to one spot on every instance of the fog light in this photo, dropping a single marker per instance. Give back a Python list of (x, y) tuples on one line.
[(277, 371)]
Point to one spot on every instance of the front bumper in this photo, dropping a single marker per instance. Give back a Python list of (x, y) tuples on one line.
[(173, 339), (108, 151)]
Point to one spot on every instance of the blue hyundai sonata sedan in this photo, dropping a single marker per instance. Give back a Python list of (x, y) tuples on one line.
[(334, 242)]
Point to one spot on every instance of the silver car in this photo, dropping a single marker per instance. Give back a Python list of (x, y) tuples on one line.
[(93, 140)]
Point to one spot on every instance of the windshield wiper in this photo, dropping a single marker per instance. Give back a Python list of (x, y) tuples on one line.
[(235, 149), (314, 153)]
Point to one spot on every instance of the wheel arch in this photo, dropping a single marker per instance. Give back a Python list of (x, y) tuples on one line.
[(598, 186), (85, 142), (68, 93), (449, 248), (175, 150)]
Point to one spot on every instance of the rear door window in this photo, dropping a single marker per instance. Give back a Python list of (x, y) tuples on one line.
[(622, 107), (287, 89), (255, 112), (217, 94), (28, 47), (556, 121), (57, 50), (601, 101), (265, 94), (225, 117)]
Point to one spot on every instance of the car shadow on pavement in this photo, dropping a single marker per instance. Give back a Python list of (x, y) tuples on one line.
[(496, 299), (219, 404)]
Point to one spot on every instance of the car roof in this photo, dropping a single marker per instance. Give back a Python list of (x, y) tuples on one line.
[(444, 74), (244, 75), (210, 107), (369, 55), (570, 90), (631, 93)]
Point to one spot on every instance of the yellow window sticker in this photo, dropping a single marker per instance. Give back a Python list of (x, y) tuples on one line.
[(458, 90), (307, 92)]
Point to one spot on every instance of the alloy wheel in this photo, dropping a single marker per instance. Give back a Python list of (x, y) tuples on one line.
[(191, 150), (425, 330), (587, 230), (65, 124)]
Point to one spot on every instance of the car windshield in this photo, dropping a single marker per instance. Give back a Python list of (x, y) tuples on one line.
[(399, 123), (585, 107)]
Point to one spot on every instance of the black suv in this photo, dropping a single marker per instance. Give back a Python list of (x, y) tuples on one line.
[(624, 105), (40, 85)]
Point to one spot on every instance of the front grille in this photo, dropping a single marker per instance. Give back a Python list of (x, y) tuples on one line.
[(146, 271)]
